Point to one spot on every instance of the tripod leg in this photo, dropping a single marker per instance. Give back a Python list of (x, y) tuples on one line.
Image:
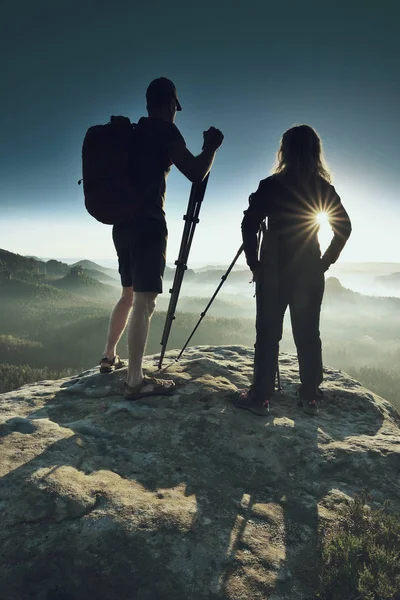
[(191, 219), (278, 379), (203, 314)]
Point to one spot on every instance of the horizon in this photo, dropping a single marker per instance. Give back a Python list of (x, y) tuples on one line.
[(71, 259), (370, 279), (106, 262), (240, 261)]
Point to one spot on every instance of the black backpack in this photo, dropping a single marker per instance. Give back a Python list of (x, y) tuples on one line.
[(107, 154)]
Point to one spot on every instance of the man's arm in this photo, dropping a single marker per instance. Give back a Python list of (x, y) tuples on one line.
[(341, 226), (195, 168), (253, 217)]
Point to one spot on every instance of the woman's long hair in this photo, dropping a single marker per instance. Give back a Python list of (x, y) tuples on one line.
[(300, 154)]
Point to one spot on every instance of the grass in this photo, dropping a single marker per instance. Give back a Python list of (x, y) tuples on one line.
[(360, 555)]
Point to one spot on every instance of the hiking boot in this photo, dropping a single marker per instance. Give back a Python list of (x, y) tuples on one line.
[(310, 407), (309, 401), (245, 400)]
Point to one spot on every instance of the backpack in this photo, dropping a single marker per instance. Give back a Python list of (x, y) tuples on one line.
[(107, 154)]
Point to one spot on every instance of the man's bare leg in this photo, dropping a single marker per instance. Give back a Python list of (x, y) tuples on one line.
[(118, 321), (138, 329)]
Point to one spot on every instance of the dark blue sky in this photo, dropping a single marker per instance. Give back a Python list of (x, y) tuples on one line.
[(251, 68)]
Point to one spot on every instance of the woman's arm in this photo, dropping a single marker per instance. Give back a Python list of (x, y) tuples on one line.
[(341, 226), (253, 217)]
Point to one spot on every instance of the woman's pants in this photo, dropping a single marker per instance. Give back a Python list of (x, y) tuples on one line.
[(302, 289)]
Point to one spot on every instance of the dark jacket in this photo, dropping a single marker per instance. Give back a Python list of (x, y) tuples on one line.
[(291, 209)]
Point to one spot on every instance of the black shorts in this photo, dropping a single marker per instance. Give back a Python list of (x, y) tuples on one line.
[(141, 248)]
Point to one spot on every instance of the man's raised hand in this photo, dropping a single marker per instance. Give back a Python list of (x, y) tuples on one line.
[(213, 138)]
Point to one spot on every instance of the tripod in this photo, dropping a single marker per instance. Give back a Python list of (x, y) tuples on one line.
[(191, 219), (203, 314)]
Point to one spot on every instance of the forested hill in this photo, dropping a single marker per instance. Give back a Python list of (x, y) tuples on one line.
[(80, 283), (90, 266), (32, 269), (17, 264)]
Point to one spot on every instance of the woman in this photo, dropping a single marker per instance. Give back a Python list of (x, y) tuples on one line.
[(290, 271)]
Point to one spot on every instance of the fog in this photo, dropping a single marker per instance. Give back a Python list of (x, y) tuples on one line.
[(369, 278), (360, 316), (56, 318)]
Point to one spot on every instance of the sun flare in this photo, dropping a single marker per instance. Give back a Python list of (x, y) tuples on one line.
[(322, 218)]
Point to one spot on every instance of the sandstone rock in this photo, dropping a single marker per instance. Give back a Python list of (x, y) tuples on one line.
[(182, 497)]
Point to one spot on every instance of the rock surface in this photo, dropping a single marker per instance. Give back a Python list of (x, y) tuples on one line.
[(182, 497)]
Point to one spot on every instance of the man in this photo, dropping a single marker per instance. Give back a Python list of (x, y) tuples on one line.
[(141, 243)]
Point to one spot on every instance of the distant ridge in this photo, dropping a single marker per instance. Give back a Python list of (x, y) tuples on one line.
[(214, 275), (35, 258), (334, 287), (16, 262), (100, 276), (369, 268), (92, 266), (393, 279), (220, 268), (84, 285), (382, 278), (37, 270)]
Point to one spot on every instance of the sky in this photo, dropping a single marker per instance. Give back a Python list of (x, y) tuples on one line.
[(251, 68)]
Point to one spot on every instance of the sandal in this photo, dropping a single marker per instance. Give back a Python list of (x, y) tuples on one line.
[(150, 386), (108, 365), (244, 400)]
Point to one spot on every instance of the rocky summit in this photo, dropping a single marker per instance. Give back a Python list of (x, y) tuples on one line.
[(183, 497)]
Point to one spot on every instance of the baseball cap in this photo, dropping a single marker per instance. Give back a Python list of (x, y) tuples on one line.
[(161, 89)]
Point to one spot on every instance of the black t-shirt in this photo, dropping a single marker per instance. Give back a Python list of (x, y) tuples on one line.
[(151, 163), (291, 208)]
